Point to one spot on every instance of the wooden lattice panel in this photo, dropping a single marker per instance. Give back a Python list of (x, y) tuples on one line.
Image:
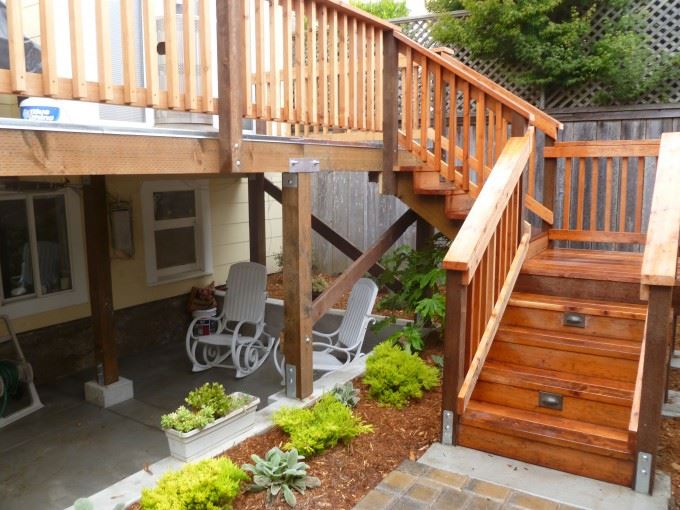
[(662, 28)]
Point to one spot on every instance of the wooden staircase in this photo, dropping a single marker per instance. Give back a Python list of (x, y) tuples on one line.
[(585, 370)]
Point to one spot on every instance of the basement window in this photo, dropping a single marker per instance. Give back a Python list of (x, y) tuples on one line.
[(176, 219), (41, 252)]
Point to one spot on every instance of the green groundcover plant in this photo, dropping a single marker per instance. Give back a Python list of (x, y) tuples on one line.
[(395, 376), (313, 430), (280, 473), (206, 485), (206, 404)]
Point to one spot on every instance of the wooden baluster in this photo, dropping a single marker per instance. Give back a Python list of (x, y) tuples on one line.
[(15, 40), (274, 45), (260, 80), (78, 82), (250, 38), (48, 48), (288, 64), (343, 85), (566, 203), (409, 93), (489, 136), (379, 85), (207, 104), (623, 193), (333, 49), (323, 55), (480, 122), (581, 186), (453, 125), (300, 68), (312, 66), (640, 183), (150, 56), (501, 132), (190, 99), (608, 196), (424, 108), (370, 79), (361, 77), (465, 87), (353, 79), (594, 176), (171, 58), (438, 122)]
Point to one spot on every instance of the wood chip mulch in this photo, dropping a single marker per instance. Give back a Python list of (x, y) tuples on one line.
[(669, 448), (349, 472)]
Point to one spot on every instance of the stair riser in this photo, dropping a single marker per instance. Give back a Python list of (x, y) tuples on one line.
[(552, 320), (574, 408), (565, 361), (599, 290), (581, 463)]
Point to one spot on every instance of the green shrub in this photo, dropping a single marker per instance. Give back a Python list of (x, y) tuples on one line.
[(346, 394), (280, 473), (206, 404), (313, 430), (395, 376), (206, 485)]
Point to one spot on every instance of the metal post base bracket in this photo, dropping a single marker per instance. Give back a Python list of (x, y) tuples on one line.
[(643, 473), (447, 427), (291, 377)]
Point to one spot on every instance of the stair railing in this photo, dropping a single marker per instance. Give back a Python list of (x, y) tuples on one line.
[(456, 120), (482, 266), (658, 279)]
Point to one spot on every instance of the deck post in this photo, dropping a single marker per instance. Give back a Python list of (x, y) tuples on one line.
[(99, 272), (655, 363), (256, 219), (390, 125), (230, 70), (454, 353), (424, 233), (549, 179), (297, 283)]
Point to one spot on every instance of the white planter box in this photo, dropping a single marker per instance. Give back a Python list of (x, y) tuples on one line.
[(189, 446)]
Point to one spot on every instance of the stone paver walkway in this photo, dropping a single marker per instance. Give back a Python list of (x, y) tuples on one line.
[(414, 486)]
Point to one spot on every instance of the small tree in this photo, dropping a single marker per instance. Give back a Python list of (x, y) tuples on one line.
[(553, 44), (385, 9)]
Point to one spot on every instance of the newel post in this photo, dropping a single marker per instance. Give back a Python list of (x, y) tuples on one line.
[(231, 67), (454, 352), (655, 365), (390, 100)]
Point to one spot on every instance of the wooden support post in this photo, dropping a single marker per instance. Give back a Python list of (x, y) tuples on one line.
[(99, 271), (549, 179), (655, 365), (256, 219), (231, 69), (454, 352), (297, 282), (424, 233), (390, 126)]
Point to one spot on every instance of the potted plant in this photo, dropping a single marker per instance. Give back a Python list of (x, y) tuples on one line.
[(210, 417)]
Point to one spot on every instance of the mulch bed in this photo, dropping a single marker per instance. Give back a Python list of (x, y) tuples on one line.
[(669, 448)]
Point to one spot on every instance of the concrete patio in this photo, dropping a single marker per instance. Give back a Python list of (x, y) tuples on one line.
[(72, 449)]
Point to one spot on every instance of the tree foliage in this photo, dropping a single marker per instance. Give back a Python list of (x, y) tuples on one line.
[(385, 9), (553, 44)]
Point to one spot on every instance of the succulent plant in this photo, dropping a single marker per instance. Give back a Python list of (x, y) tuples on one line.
[(280, 473), (346, 394)]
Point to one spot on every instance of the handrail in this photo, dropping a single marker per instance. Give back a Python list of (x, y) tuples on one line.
[(660, 259), (468, 247), (549, 125)]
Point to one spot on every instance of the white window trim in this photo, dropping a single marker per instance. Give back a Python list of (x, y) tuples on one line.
[(78, 294), (204, 265)]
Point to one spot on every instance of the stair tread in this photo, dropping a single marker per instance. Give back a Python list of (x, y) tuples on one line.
[(588, 306), (588, 387), (549, 429), (574, 342), (432, 183)]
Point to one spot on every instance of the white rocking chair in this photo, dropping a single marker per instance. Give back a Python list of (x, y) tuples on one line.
[(243, 309), (347, 341)]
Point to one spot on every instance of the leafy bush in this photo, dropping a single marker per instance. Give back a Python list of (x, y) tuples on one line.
[(319, 284), (395, 376), (280, 473), (346, 394), (557, 43), (206, 404), (422, 279), (385, 9), (313, 430), (206, 485)]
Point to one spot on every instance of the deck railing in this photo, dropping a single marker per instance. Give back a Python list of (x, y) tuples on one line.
[(482, 266), (658, 279)]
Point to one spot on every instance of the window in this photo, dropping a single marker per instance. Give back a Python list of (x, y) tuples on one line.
[(41, 255), (176, 230)]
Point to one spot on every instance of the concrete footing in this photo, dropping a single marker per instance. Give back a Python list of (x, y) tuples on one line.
[(107, 396)]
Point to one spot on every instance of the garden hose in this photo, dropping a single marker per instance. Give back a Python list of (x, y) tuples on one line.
[(9, 383)]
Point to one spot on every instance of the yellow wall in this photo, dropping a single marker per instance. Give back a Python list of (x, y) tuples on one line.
[(229, 223)]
